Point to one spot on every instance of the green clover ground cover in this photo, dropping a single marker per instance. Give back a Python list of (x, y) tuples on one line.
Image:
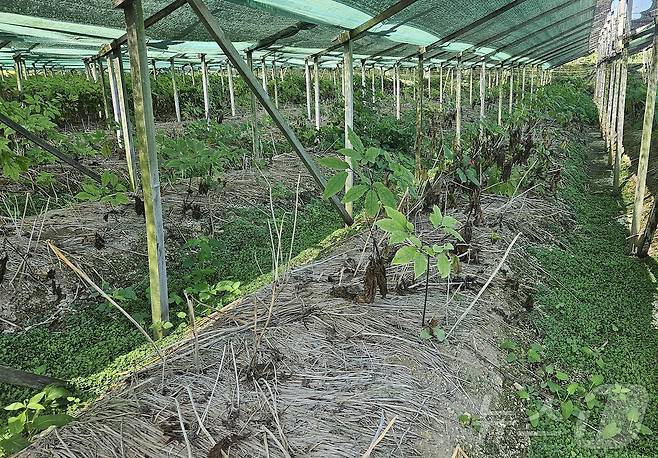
[(603, 301), (95, 345)]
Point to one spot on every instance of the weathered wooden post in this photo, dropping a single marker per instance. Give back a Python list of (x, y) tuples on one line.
[(205, 84), (124, 120), (231, 87), (483, 82), (148, 159), (348, 89), (470, 86), (106, 105), (647, 127), (114, 92), (19, 77), (264, 74), (307, 77), (441, 86), (255, 140), (316, 82), (372, 83), (511, 90), (457, 79), (419, 115), (397, 91), (175, 90), (274, 82), (625, 28), (499, 83)]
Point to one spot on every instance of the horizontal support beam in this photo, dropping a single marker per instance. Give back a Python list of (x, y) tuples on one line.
[(48, 147), (285, 33), (21, 378), (356, 32)]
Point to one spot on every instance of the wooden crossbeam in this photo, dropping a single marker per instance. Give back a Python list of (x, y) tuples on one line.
[(28, 379), (557, 51), (544, 29), (506, 32), (285, 33), (356, 32), (360, 30), (558, 38), (217, 34), (40, 142), (469, 27), (4, 43)]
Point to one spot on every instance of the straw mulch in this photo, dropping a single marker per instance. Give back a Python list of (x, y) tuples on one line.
[(331, 377)]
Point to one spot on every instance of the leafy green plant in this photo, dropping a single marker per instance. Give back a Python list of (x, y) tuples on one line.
[(33, 416), (110, 191)]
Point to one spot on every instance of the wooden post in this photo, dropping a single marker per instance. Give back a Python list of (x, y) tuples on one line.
[(647, 127), (148, 161), (363, 78), (372, 83), (106, 106), (511, 90), (419, 116), (264, 73), (92, 65), (175, 90), (19, 77), (124, 120), (255, 140), (316, 83), (441, 85), (610, 110), (429, 82), (114, 92), (192, 73), (523, 85), (499, 83), (87, 69), (613, 112), (381, 75), (206, 89), (155, 69), (397, 91), (231, 88), (274, 82), (483, 82), (2, 73), (621, 106), (348, 89), (470, 86), (457, 79), (307, 77)]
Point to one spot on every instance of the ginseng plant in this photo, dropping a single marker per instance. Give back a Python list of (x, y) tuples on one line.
[(375, 173)]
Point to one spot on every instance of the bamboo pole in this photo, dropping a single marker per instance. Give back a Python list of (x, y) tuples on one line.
[(470, 86), (148, 159), (372, 83), (274, 82), (613, 113)]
